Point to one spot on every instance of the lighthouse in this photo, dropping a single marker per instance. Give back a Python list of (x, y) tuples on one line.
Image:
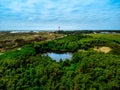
[(58, 29)]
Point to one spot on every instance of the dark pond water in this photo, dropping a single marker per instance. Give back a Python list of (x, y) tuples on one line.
[(58, 56)]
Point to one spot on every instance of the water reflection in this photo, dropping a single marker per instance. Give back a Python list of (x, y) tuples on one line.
[(58, 56)]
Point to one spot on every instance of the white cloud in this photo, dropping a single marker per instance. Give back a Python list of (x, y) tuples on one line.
[(61, 12)]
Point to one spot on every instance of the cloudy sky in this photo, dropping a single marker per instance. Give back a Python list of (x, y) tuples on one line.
[(68, 14)]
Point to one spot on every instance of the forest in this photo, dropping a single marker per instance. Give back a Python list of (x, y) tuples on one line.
[(27, 68)]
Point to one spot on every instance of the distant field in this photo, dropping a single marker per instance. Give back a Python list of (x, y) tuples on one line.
[(107, 36), (12, 40), (27, 36)]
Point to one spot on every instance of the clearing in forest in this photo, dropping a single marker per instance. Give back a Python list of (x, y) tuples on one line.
[(103, 49)]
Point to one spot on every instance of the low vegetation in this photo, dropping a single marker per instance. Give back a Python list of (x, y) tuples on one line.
[(12, 40), (27, 69)]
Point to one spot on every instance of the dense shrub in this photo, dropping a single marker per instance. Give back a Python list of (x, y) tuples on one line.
[(25, 68)]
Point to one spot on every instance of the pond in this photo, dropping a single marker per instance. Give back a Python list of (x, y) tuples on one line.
[(58, 56)]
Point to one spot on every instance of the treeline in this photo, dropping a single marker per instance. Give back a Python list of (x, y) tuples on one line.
[(73, 43), (87, 31), (27, 69), (69, 43)]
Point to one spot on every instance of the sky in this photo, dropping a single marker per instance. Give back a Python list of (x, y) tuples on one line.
[(68, 14)]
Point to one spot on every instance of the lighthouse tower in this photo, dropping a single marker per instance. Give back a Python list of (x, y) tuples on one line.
[(58, 29)]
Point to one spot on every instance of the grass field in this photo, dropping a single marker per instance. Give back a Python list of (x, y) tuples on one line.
[(115, 37)]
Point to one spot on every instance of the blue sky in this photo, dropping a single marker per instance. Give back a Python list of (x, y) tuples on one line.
[(69, 14)]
